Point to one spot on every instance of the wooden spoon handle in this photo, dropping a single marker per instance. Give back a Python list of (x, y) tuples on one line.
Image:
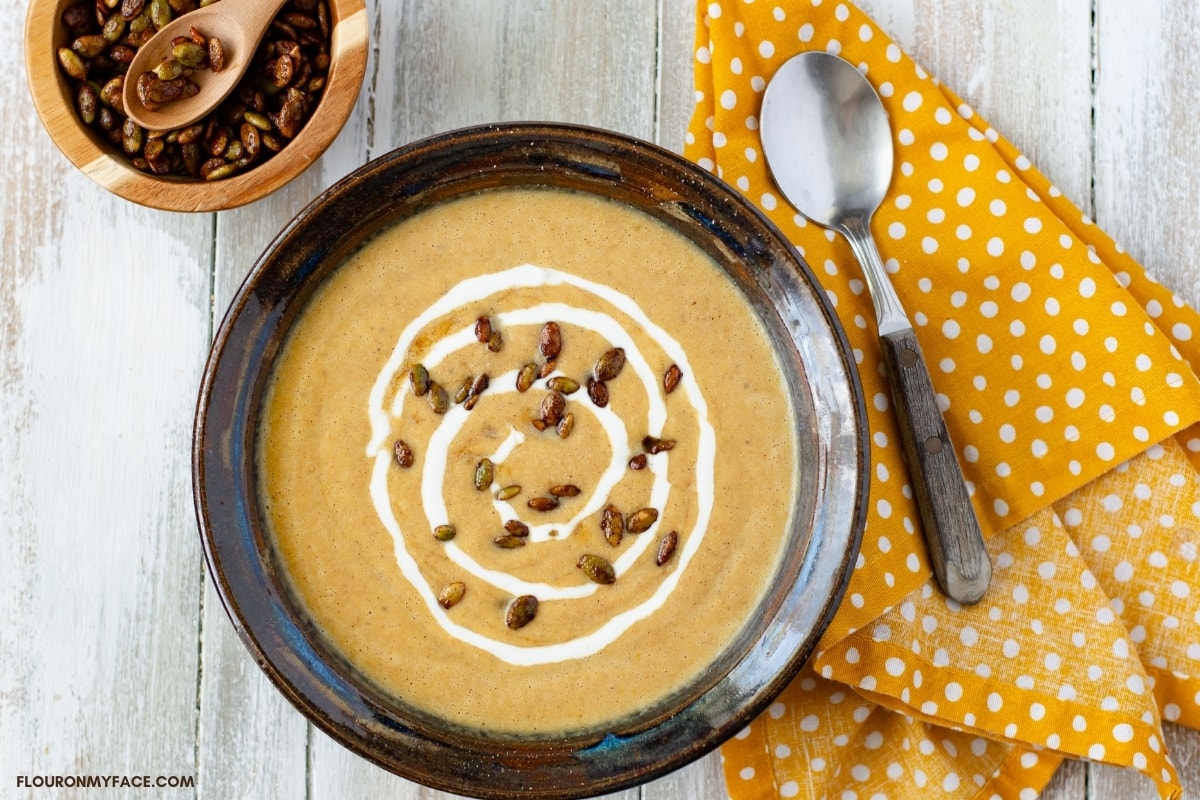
[(956, 548)]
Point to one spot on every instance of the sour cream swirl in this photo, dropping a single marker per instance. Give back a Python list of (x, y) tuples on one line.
[(381, 413)]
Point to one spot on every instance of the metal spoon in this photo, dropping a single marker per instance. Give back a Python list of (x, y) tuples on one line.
[(239, 24), (828, 144)]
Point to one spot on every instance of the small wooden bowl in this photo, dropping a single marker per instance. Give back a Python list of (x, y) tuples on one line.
[(103, 163)]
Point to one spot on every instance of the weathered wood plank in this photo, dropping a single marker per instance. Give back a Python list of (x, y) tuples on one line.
[(101, 335)]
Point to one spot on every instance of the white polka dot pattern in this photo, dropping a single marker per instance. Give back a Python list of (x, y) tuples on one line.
[(1058, 363)]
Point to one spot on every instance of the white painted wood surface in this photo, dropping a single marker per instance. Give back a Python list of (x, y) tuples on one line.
[(115, 655)]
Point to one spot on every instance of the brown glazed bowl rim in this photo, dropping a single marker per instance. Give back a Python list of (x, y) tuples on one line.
[(830, 498)]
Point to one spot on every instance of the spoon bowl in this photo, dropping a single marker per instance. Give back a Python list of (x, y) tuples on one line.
[(239, 24), (828, 144)]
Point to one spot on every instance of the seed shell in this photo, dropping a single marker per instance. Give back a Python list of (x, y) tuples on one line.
[(641, 520), (521, 611), (451, 594), (597, 568)]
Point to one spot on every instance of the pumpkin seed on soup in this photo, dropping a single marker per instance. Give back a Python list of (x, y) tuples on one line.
[(542, 503), (508, 492), (444, 533), (565, 490), (516, 528), (612, 525), (641, 520), (484, 473), (666, 548), (654, 445), (597, 568), (418, 376), (671, 378), (550, 340), (609, 365), (439, 399), (566, 425), (597, 392), (561, 383), (521, 611), (483, 330), (509, 542), (451, 594), (403, 454), (526, 377)]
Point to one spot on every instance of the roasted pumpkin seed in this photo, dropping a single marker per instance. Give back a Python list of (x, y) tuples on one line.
[(484, 473), (495, 342), (516, 528), (526, 376), (552, 407), (641, 520), (418, 377), (565, 490), (598, 392), (654, 445), (464, 391), (612, 524), (403, 454), (216, 54), (597, 568), (439, 399), (508, 492), (671, 378), (550, 340), (638, 461), (483, 330), (444, 533), (566, 425), (509, 542), (561, 383), (452, 594), (666, 548), (547, 369), (521, 611), (542, 503), (609, 365)]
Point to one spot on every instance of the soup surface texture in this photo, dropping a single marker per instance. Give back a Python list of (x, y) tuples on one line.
[(410, 557)]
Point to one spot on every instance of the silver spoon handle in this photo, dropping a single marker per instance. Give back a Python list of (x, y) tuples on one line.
[(960, 559)]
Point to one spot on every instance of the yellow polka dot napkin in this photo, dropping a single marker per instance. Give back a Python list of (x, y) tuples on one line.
[(1065, 373)]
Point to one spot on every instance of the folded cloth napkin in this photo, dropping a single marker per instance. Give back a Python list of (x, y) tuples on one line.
[(1067, 380)]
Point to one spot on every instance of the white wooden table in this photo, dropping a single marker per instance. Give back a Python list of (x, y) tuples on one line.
[(115, 655)]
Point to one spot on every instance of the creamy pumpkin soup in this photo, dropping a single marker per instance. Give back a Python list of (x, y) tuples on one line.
[(529, 461)]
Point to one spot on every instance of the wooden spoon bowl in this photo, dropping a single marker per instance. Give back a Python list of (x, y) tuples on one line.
[(54, 100)]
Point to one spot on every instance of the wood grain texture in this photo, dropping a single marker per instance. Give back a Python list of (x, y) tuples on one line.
[(115, 655)]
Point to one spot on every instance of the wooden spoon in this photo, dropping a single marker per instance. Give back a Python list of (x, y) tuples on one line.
[(239, 24)]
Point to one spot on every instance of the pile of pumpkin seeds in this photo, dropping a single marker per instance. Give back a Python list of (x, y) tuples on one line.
[(267, 110)]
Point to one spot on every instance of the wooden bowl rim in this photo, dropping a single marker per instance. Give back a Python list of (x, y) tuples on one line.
[(52, 100)]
